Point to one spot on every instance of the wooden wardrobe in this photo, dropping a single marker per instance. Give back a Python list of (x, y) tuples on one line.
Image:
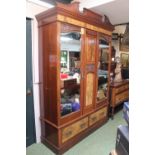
[(74, 82)]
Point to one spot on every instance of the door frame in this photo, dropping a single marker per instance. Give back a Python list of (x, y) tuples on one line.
[(31, 52)]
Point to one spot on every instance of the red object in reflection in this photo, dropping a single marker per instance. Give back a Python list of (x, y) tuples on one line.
[(63, 75)]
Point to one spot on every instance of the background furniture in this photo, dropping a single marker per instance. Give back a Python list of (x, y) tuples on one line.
[(122, 140), (119, 93), (74, 96), (126, 112), (125, 73)]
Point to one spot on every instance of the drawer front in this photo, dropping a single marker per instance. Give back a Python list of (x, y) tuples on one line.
[(72, 130), (102, 113), (121, 97), (122, 88), (93, 118)]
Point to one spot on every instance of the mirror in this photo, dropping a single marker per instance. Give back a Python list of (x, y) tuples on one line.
[(70, 40), (103, 62)]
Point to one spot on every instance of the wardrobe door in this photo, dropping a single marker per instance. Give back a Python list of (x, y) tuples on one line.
[(103, 70), (70, 72), (90, 70)]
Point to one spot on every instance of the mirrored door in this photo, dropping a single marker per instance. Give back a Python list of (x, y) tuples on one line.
[(70, 69), (103, 66)]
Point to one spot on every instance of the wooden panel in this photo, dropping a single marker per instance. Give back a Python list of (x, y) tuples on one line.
[(120, 89), (72, 116), (100, 114), (89, 88), (69, 28), (101, 103), (122, 96), (93, 118), (50, 64), (119, 84), (82, 24), (90, 48), (90, 70), (49, 132), (74, 129)]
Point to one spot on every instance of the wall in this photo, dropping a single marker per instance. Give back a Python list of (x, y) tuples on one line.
[(31, 10), (118, 29)]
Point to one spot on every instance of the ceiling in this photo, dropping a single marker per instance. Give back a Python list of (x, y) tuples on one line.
[(116, 10), (53, 1)]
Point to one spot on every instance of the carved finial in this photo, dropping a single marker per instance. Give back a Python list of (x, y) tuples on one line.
[(106, 20)]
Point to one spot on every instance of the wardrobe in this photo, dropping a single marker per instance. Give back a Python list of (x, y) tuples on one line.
[(74, 47)]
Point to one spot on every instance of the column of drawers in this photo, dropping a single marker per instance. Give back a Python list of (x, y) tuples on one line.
[(119, 93)]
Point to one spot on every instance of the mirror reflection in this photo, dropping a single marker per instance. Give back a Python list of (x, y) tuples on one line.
[(70, 71), (103, 63)]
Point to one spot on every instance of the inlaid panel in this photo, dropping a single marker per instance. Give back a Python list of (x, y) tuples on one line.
[(82, 24), (90, 50), (72, 130), (89, 88), (93, 118), (100, 114)]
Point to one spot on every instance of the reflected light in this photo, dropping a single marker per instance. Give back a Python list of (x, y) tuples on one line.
[(66, 39)]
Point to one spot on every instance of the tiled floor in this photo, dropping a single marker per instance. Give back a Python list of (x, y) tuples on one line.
[(100, 142)]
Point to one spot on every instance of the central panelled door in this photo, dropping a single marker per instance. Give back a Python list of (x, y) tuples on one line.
[(90, 71)]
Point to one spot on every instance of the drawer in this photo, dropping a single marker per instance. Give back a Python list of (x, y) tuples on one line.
[(121, 97), (72, 130), (93, 118), (122, 88), (100, 114)]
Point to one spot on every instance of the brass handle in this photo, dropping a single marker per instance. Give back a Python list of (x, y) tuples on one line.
[(68, 133), (82, 125), (94, 118)]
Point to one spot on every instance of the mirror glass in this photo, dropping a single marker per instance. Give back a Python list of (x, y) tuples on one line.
[(70, 40), (103, 63)]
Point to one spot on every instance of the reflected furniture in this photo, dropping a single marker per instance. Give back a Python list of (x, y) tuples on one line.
[(74, 82)]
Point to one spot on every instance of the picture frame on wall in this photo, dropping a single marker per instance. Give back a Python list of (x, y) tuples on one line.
[(124, 40), (125, 60), (114, 36)]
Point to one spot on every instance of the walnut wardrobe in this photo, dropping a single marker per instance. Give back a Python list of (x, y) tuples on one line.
[(74, 47)]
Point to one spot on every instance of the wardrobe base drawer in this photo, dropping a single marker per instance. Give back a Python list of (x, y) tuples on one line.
[(73, 129), (100, 114)]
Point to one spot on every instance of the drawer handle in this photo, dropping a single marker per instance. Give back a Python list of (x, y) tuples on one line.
[(68, 133), (94, 118), (82, 125)]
